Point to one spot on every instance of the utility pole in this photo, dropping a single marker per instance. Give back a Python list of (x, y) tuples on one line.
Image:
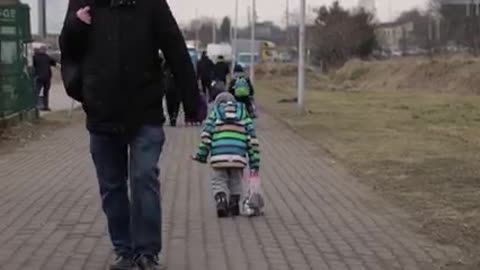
[(430, 31), (287, 22), (234, 38), (214, 31), (390, 12), (253, 41), (476, 25), (472, 24), (301, 59), (439, 29), (42, 18), (197, 30)]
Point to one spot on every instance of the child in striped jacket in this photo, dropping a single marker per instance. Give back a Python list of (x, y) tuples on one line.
[(230, 140)]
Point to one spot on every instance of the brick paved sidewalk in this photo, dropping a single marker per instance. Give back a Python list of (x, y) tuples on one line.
[(317, 217)]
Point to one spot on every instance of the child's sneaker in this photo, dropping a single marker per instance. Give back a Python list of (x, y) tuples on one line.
[(222, 204), (234, 205)]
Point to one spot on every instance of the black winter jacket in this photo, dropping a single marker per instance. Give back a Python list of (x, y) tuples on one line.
[(205, 68), (42, 64), (121, 71), (231, 89), (221, 71)]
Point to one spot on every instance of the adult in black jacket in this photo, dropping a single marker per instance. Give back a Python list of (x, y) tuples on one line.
[(205, 72), (42, 64), (114, 47), (221, 70)]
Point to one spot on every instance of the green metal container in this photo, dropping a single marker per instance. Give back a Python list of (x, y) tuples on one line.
[(16, 85)]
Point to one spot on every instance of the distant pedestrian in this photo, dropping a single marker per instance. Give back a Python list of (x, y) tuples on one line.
[(242, 89), (42, 68), (110, 62), (229, 138), (205, 72), (221, 70)]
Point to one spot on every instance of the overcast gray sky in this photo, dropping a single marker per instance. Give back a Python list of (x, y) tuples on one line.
[(273, 10)]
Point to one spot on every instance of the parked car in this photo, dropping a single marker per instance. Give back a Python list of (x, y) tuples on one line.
[(244, 59), (284, 57)]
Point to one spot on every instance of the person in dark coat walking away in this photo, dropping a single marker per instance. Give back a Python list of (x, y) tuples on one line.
[(42, 67), (205, 72), (112, 48), (221, 70)]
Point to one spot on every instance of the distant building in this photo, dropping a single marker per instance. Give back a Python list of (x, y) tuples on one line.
[(393, 36), (457, 2), (368, 5), (264, 30)]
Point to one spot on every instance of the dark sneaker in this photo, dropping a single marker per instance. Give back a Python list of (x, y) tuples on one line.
[(173, 122), (234, 205), (145, 262), (222, 204), (122, 263)]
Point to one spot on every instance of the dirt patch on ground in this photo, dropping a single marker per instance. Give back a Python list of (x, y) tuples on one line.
[(447, 74), (418, 149), (453, 74), (25, 132)]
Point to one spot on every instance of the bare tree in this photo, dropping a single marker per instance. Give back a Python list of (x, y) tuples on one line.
[(225, 29), (420, 36), (340, 34), (201, 28)]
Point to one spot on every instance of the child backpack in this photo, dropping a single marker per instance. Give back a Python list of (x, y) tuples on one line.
[(241, 88)]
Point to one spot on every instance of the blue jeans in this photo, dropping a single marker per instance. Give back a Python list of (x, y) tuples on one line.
[(134, 222)]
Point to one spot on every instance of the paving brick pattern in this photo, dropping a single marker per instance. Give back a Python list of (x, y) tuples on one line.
[(318, 217)]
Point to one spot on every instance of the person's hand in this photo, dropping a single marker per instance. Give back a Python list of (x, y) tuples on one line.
[(83, 15)]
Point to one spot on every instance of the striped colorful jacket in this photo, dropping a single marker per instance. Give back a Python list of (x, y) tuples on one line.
[(229, 138)]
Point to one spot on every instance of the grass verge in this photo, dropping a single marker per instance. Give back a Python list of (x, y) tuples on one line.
[(419, 150), (25, 132)]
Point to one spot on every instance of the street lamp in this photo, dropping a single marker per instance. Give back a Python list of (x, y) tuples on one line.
[(235, 38), (252, 41), (301, 59), (42, 18)]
